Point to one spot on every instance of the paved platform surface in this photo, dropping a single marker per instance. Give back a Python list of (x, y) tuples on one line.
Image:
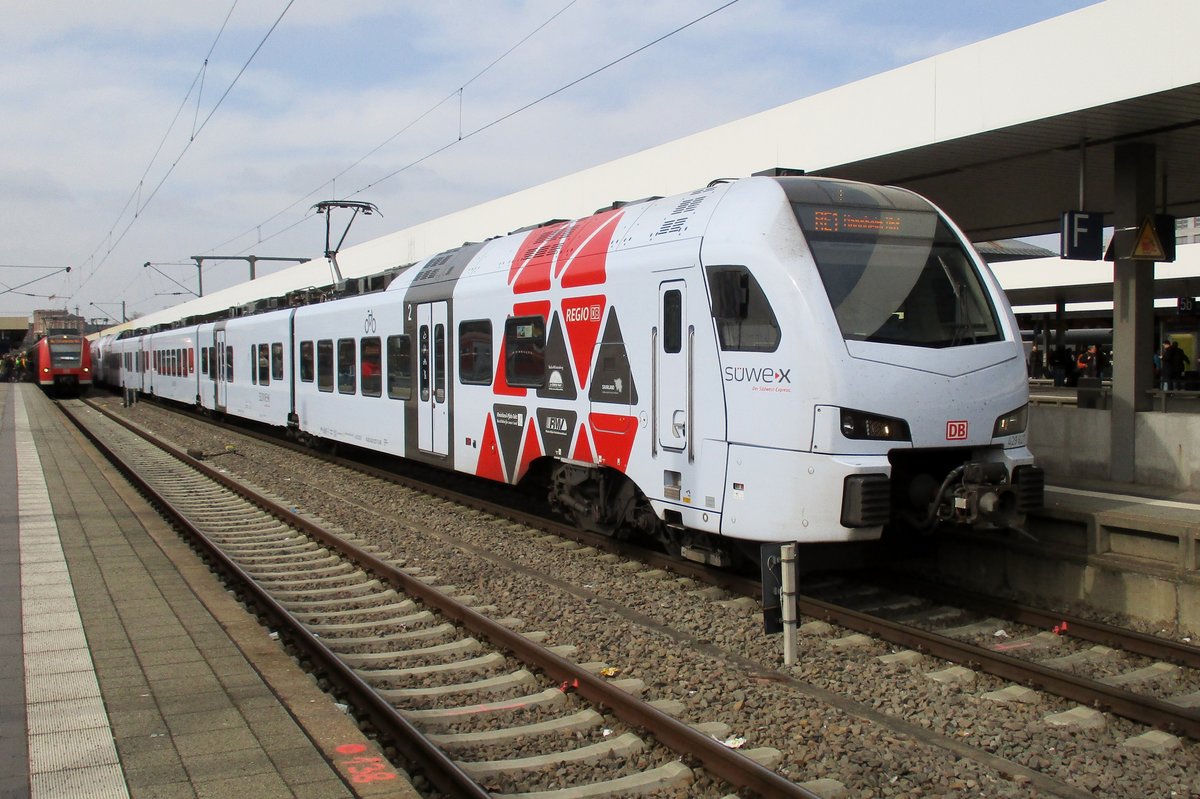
[(126, 669)]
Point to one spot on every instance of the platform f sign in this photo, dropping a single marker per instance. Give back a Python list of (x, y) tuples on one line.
[(1082, 236)]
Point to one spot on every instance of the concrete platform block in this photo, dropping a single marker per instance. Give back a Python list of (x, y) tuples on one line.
[(1156, 742), (1155, 671), (908, 657), (826, 788), (955, 675), (856, 641), (1083, 718), (1013, 693), (817, 628)]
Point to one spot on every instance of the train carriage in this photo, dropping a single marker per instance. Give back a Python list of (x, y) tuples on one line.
[(171, 362), (760, 360)]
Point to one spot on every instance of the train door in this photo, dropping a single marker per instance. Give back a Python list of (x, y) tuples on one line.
[(672, 381), (220, 357), (145, 375), (433, 414)]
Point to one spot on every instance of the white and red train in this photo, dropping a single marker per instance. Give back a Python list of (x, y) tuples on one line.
[(762, 360)]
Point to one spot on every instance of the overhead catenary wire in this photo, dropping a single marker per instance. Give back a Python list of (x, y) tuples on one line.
[(544, 97), (142, 205), (433, 153), (403, 129), (465, 136)]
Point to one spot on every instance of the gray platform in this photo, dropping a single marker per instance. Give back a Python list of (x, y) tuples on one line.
[(126, 669)]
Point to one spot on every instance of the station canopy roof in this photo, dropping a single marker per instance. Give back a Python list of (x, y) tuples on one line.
[(996, 133)]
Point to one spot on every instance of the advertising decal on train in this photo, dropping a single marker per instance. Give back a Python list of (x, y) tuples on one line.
[(550, 260)]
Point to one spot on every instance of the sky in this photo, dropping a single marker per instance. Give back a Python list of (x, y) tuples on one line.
[(142, 131)]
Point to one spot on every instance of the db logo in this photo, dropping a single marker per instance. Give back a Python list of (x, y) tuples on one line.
[(956, 431)]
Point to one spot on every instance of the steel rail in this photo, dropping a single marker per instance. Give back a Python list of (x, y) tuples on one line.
[(1124, 703), (1096, 632), (728, 764), (441, 770), (1146, 710)]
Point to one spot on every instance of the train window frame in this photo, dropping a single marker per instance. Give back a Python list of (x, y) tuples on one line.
[(277, 360), (264, 364), (517, 343), (229, 363), (325, 371), (308, 371), (347, 366), (475, 363), (399, 355), (672, 310), (370, 366), (741, 312), (439, 362)]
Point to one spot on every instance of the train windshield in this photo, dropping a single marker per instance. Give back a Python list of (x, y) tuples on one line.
[(66, 354), (894, 271)]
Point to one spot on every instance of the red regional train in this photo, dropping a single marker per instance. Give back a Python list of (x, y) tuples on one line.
[(60, 364)]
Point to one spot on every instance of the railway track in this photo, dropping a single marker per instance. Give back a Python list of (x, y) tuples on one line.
[(480, 708), (861, 676), (1151, 680), (1128, 692)]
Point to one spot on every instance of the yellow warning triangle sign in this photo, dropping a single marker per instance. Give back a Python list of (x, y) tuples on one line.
[(1148, 246)]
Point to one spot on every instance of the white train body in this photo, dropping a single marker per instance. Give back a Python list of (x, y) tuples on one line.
[(763, 360)]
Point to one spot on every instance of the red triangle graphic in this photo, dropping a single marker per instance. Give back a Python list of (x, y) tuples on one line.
[(500, 384), (489, 464), (583, 449), (531, 450), (583, 317), (614, 435)]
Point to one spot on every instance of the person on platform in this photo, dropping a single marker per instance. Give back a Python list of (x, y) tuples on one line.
[(1175, 363)]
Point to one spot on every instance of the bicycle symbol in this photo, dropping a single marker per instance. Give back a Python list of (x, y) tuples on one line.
[(369, 325)]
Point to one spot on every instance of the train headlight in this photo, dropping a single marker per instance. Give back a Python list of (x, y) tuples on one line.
[(1011, 423), (861, 425)]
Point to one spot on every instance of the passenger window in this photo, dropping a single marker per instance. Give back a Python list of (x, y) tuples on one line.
[(325, 364), (371, 370), (399, 363), (439, 363), (306, 361), (191, 360), (524, 351), (475, 352), (277, 361), (264, 364), (743, 316), (347, 381), (672, 335)]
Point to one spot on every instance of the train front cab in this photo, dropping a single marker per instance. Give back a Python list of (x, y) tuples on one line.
[(896, 396), (63, 364)]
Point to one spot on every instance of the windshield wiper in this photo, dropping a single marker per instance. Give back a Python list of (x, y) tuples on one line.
[(962, 310)]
